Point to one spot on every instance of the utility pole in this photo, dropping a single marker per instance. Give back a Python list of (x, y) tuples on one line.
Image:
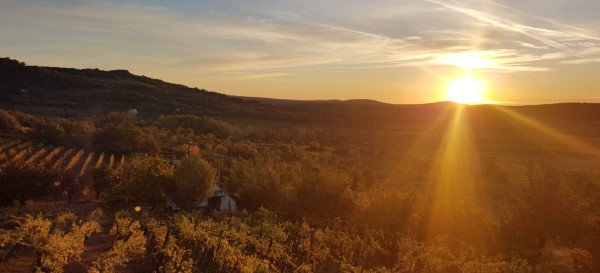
[(219, 158)]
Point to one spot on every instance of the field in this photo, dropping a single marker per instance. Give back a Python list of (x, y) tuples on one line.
[(320, 186)]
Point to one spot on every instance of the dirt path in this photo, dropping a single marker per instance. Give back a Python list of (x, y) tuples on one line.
[(19, 264)]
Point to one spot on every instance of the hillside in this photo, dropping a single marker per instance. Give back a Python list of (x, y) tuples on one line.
[(53, 91), (68, 92)]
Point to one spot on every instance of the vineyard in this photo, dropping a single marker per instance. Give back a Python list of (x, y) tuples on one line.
[(244, 243), (188, 242), (63, 169), (59, 158)]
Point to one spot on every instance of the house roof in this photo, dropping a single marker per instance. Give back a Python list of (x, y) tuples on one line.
[(220, 192)]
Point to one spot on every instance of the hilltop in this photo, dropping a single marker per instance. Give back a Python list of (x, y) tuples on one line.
[(55, 91), (89, 93)]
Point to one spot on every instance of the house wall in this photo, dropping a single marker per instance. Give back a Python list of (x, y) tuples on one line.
[(226, 203), (171, 205)]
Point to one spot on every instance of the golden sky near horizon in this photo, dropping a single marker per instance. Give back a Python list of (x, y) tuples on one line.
[(406, 51)]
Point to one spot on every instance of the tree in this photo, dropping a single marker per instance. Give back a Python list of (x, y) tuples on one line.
[(51, 133), (128, 139), (102, 180), (73, 177), (21, 182), (142, 179), (64, 132), (194, 180)]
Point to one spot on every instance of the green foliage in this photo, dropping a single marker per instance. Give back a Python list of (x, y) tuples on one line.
[(65, 132), (126, 138), (299, 189), (242, 149), (96, 215), (263, 243), (130, 244), (59, 249), (265, 182), (55, 243), (19, 181), (113, 118), (142, 179), (193, 181), (317, 199), (102, 180), (175, 259), (199, 124)]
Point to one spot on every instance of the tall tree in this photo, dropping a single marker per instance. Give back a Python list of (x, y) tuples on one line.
[(194, 180), (142, 179)]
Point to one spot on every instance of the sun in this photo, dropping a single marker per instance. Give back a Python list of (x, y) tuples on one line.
[(466, 90)]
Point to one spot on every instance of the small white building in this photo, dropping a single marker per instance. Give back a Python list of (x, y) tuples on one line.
[(220, 200)]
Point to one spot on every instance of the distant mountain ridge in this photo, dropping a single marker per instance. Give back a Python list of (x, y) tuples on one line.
[(59, 92), (276, 101)]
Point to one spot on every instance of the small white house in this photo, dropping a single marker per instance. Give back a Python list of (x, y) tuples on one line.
[(220, 200)]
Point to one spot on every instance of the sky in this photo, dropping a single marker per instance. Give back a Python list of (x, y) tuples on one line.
[(402, 51)]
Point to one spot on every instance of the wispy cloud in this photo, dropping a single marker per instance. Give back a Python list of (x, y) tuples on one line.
[(551, 36), (224, 42), (582, 61), (279, 40)]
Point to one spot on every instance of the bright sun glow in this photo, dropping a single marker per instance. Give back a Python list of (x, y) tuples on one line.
[(467, 60), (467, 90)]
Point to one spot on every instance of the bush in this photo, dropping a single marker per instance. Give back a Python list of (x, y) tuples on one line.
[(8, 122)]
